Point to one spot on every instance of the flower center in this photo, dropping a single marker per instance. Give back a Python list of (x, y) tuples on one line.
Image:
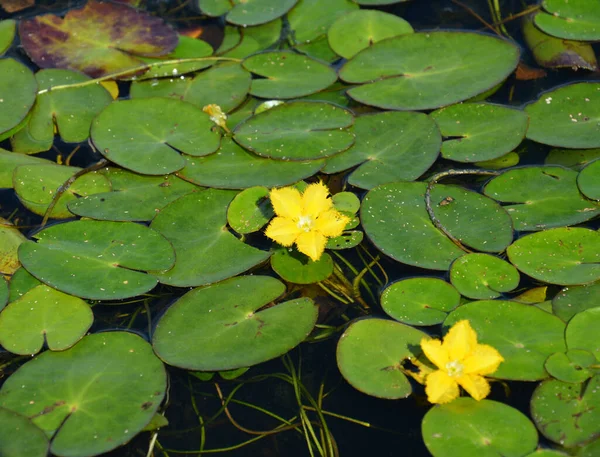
[(305, 223), (454, 368)]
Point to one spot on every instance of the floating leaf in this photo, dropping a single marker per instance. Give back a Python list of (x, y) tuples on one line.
[(591, 450), (566, 117), (572, 20), (187, 48), (92, 397), (21, 282), (20, 437), (18, 88), (565, 256), (147, 135), (287, 75), (370, 355), (246, 12), (588, 180), (479, 131), (524, 335), (317, 49), (297, 268), (195, 225), (250, 210), (100, 38), (10, 240), (567, 413), (572, 158), (571, 366), (72, 256), (581, 330), (227, 326), (346, 240), (7, 34), (390, 147), (311, 19), (483, 276), (420, 301), (485, 428), (573, 300), (426, 70), (3, 292), (11, 160), (240, 43), (44, 315)]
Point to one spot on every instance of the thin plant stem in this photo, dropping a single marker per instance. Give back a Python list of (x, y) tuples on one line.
[(333, 294), (476, 16)]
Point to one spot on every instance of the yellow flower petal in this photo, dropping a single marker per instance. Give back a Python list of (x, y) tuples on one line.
[(435, 351), (483, 360), (312, 244), (315, 200), (476, 386), (441, 388), (331, 223), (460, 340), (283, 231), (287, 202)]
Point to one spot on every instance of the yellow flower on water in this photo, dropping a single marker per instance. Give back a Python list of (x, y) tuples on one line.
[(461, 361), (306, 219)]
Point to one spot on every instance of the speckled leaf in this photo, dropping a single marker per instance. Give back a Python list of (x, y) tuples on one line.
[(18, 88), (250, 210), (346, 240), (10, 240), (483, 276), (247, 12), (572, 20), (239, 43), (7, 34), (571, 366), (21, 282), (298, 268), (588, 180), (11, 160), (20, 437), (574, 299), (581, 331), (187, 48), (311, 19)]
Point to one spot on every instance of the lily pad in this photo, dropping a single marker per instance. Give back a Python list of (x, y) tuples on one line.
[(297, 268), (370, 355), (572, 20), (72, 256), (44, 315), (565, 256), (21, 282), (297, 131), (541, 197), (36, 186), (7, 34), (573, 300), (581, 330), (472, 428), (566, 117), (3, 292), (426, 70), (571, 366), (11, 160), (250, 210), (18, 88), (10, 240), (196, 226), (360, 29), (588, 180), (232, 167), (92, 397), (247, 12), (572, 158), (187, 48), (147, 135), (567, 413), (420, 301), (19, 436), (479, 131), (287, 75), (390, 146), (346, 240), (311, 19), (239, 43), (524, 335), (483, 276), (227, 326), (133, 198), (396, 221)]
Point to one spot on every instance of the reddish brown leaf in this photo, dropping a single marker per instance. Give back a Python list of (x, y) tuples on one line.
[(12, 6)]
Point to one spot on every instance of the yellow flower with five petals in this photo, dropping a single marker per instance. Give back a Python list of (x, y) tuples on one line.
[(306, 219), (461, 361)]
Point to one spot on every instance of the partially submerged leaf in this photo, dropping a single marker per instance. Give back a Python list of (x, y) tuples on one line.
[(10, 240)]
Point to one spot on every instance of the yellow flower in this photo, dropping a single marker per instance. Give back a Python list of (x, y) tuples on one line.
[(306, 219), (461, 361)]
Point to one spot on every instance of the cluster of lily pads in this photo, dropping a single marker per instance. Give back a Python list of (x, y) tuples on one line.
[(186, 149)]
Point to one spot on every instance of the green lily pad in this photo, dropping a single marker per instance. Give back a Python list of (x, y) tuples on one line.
[(232, 167), (575, 299), (581, 331), (480, 131), (346, 240), (567, 413), (483, 276), (572, 158), (250, 210), (541, 197), (36, 186), (7, 34), (590, 450), (360, 29), (72, 256), (297, 268), (187, 48), (370, 355), (100, 38), (92, 397), (21, 282), (420, 301), (297, 131), (11, 160), (588, 180), (44, 315), (396, 221), (311, 19), (390, 146), (18, 89), (19, 436), (10, 240), (287, 75), (565, 256), (572, 20), (470, 428), (507, 160), (524, 335), (227, 326), (225, 85), (70, 111), (239, 43), (147, 135), (427, 70), (196, 226), (318, 49), (566, 117), (133, 198), (571, 366), (3, 292), (247, 12)]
